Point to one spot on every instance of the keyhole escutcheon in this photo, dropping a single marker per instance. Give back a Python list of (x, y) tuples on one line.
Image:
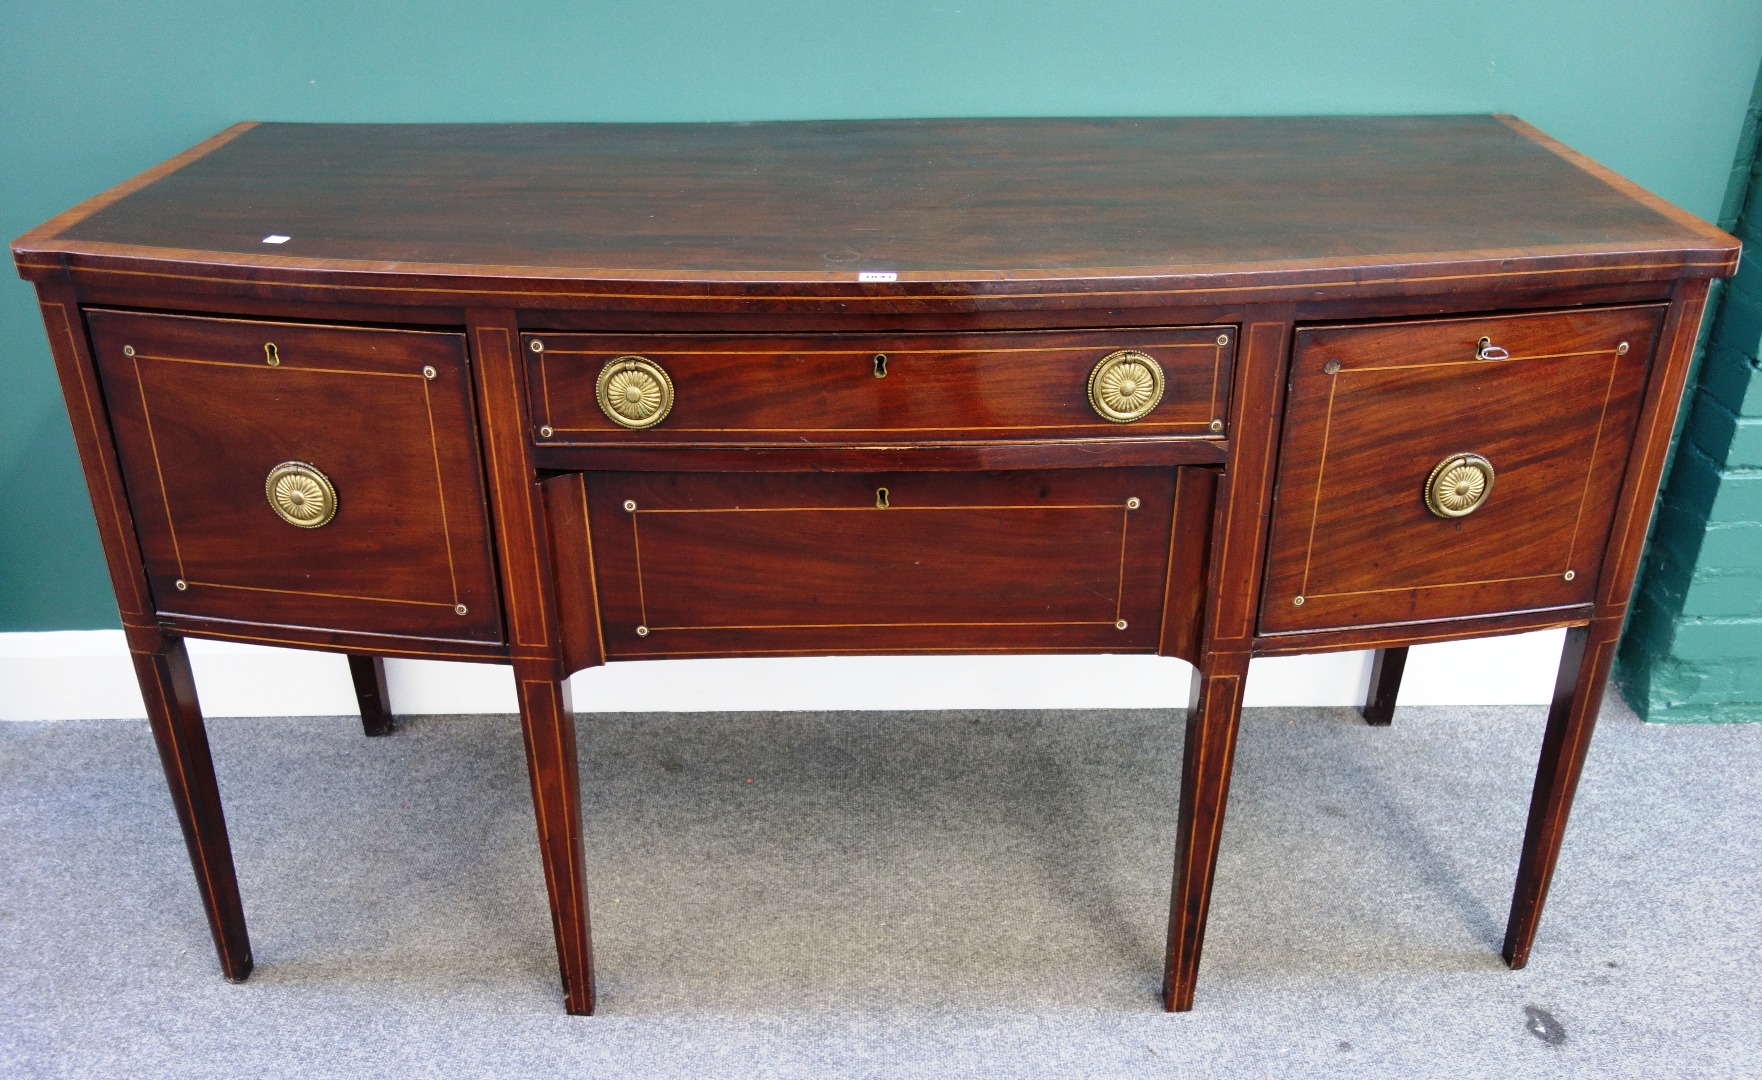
[(881, 502)]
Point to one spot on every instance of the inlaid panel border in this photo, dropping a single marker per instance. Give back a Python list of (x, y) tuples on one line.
[(290, 369)]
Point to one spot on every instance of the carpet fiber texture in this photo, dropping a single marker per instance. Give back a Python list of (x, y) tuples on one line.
[(887, 895)]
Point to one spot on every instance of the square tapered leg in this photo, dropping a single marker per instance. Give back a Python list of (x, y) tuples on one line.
[(1385, 686), (1213, 716), (176, 719), (368, 674), (1578, 694), (548, 723)]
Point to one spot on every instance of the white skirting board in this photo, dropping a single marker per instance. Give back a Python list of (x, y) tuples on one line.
[(86, 674)]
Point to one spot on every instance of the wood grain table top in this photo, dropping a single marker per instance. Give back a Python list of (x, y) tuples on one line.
[(934, 201)]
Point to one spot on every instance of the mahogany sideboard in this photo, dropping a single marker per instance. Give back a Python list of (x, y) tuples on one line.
[(557, 395)]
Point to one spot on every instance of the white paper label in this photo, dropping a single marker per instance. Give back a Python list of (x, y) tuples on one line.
[(276, 238), (877, 275)]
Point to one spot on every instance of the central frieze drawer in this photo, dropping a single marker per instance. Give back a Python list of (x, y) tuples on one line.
[(753, 564), (925, 387)]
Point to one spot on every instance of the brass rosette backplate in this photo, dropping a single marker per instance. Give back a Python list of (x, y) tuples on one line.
[(1459, 485), (634, 392), (1125, 386), (300, 495)]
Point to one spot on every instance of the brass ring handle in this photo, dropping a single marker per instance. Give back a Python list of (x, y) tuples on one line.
[(1125, 386), (634, 392), (1459, 485), (300, 495)]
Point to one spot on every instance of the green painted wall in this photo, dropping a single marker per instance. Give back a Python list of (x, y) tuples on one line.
[(1693, 647), (95, 92)]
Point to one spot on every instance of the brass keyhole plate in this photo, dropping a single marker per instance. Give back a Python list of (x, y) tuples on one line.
[(300, 495)]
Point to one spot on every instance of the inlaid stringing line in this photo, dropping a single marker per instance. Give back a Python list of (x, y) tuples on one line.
[(377, 648), (158, 469), (568, 795), (1138, 425), (1280, 353), (894, 509), (1162, 628), (1358, 644), (863, 354), (593, 581), (1440, 585), (1321, 467), (636, 546), (999, 297), (510, 362), (285, 368), (883, 625), (897, 651), (1217, 364), (1591, 460), (1227, 498), (544, 383), (1303, 588), (440, 490), (1119, 602), (1477, 362), (1684, 327), (314, 592), (538, 801)]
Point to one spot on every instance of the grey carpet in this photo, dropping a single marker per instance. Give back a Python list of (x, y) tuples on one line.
[(910, 894)]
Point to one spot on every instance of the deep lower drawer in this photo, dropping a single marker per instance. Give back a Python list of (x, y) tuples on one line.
[(312, 476), (929, 387), (757, 564), (1443, 468)]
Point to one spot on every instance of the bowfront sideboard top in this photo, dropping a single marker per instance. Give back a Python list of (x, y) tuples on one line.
[(557, 395), (776, 215)]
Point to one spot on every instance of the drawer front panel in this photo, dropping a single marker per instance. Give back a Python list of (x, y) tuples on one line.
[(724, 565), (204, 410), (1549, 402), (925, 388)]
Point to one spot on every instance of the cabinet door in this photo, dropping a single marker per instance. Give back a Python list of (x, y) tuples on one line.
[(708, 564), (311, 476), (1517, 426)]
